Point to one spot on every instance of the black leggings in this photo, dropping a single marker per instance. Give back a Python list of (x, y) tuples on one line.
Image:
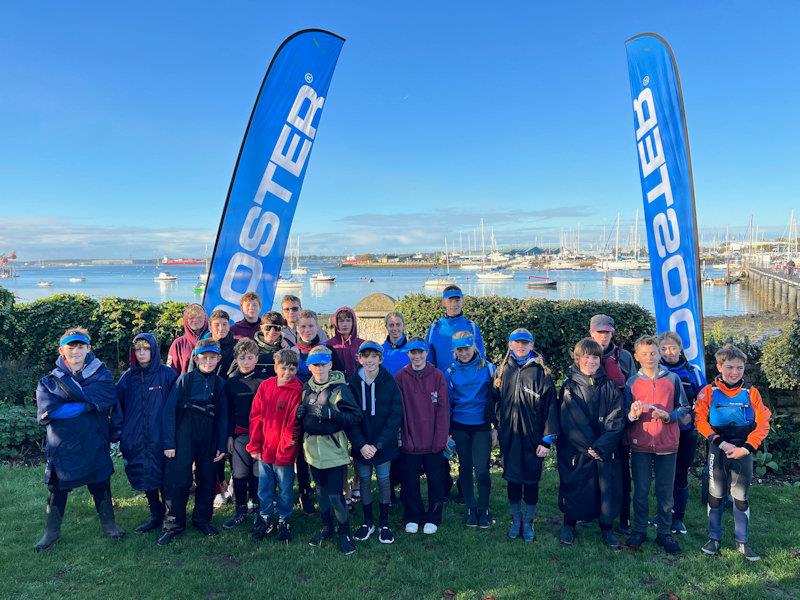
[(330, 484), (245, 471), (527, 491)]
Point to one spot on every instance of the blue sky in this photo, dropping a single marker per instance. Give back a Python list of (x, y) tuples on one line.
[(121, 124)]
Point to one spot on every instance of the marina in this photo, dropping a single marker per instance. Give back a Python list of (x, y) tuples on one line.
[(137, 281)]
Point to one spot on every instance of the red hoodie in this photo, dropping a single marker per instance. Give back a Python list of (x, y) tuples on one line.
[(274, 431), (180, 352), (346, 348), (426, 410)]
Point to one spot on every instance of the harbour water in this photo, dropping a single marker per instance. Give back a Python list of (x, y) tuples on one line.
[(136, 281)]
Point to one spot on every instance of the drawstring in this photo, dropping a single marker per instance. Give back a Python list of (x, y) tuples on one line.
[(364, 397)]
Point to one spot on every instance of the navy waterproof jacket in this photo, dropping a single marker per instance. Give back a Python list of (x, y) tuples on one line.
[(74, 408), (136, 419)]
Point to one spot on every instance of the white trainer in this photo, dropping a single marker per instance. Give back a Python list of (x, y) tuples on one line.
[(412, 527), (430, 528)]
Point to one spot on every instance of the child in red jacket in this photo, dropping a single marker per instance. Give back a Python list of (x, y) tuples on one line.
[(274, 441), (656, 404)]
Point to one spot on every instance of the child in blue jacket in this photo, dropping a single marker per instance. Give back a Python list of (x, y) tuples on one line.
[(136, 421), (73, 402), (470, 387)]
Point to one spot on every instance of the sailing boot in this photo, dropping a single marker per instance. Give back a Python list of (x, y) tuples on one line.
[(528, 534), (52, 527), (105, 510), (516, 521), (156, 513)]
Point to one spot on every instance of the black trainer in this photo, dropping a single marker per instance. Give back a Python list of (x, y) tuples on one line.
[(385, 536), (167, 537), (567, 536), (610, 539), (262, 527), (747, 551), (346, 545), (284, 532), (152, 523), (485, 520), (206, 529), (711, 547), (669, 544), (323, 534), (362, 533), (471, 519), (237, 519)]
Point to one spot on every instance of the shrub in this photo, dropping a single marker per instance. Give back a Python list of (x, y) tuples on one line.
[(115, 322), (10, 329), (19, 382), (43, 322), (781, 359), (19, 431)]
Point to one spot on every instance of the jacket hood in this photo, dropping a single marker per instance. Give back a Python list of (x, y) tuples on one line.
[(187, 330), (334, 378), (155, 355), (264, 346), (576, 375), (353, 333), (662, 372)]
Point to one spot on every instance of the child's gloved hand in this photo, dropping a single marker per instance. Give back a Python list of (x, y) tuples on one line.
[(320, 411), (301, 411)]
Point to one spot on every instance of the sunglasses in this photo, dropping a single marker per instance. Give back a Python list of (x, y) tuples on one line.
[(272, 327), (291, 309)]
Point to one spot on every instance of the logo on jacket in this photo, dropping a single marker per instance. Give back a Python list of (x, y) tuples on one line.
[(531, 392), (435, 397)]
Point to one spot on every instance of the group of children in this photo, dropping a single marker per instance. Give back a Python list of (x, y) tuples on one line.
[(284, 402)]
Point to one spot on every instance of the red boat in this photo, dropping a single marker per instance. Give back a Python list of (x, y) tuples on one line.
[(181, 261)]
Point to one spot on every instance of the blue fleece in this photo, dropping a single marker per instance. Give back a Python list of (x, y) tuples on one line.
[(469, 388), (440, 335), (394, 355)]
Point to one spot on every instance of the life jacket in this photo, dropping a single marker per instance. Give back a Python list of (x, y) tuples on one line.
[(613, 370), (733, 418)]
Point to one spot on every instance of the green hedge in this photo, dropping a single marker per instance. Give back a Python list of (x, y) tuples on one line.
[(781, 358), (19, 431), (556, 325), (112, 323)]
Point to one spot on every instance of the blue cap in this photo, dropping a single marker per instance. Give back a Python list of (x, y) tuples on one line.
[(464, 342), (370, 345), (75, 337), (416, 345), (319, 358), (452, 294), (521, 336), (204, 349)]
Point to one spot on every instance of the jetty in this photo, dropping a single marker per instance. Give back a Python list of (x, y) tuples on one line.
[(776, 290)]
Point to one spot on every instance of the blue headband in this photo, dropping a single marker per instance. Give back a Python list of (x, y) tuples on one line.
[(452, 294), (416, 345), (370, 345), (464, 342), (202, 349), (74, 337), (520, 336), (320, 358)]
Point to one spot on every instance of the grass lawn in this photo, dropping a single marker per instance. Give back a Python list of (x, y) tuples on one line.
[(457, 561)]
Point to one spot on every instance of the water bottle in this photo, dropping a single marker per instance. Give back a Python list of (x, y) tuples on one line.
[(450, 450)]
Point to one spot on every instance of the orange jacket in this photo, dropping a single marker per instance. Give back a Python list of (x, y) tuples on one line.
[(761, 414)]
